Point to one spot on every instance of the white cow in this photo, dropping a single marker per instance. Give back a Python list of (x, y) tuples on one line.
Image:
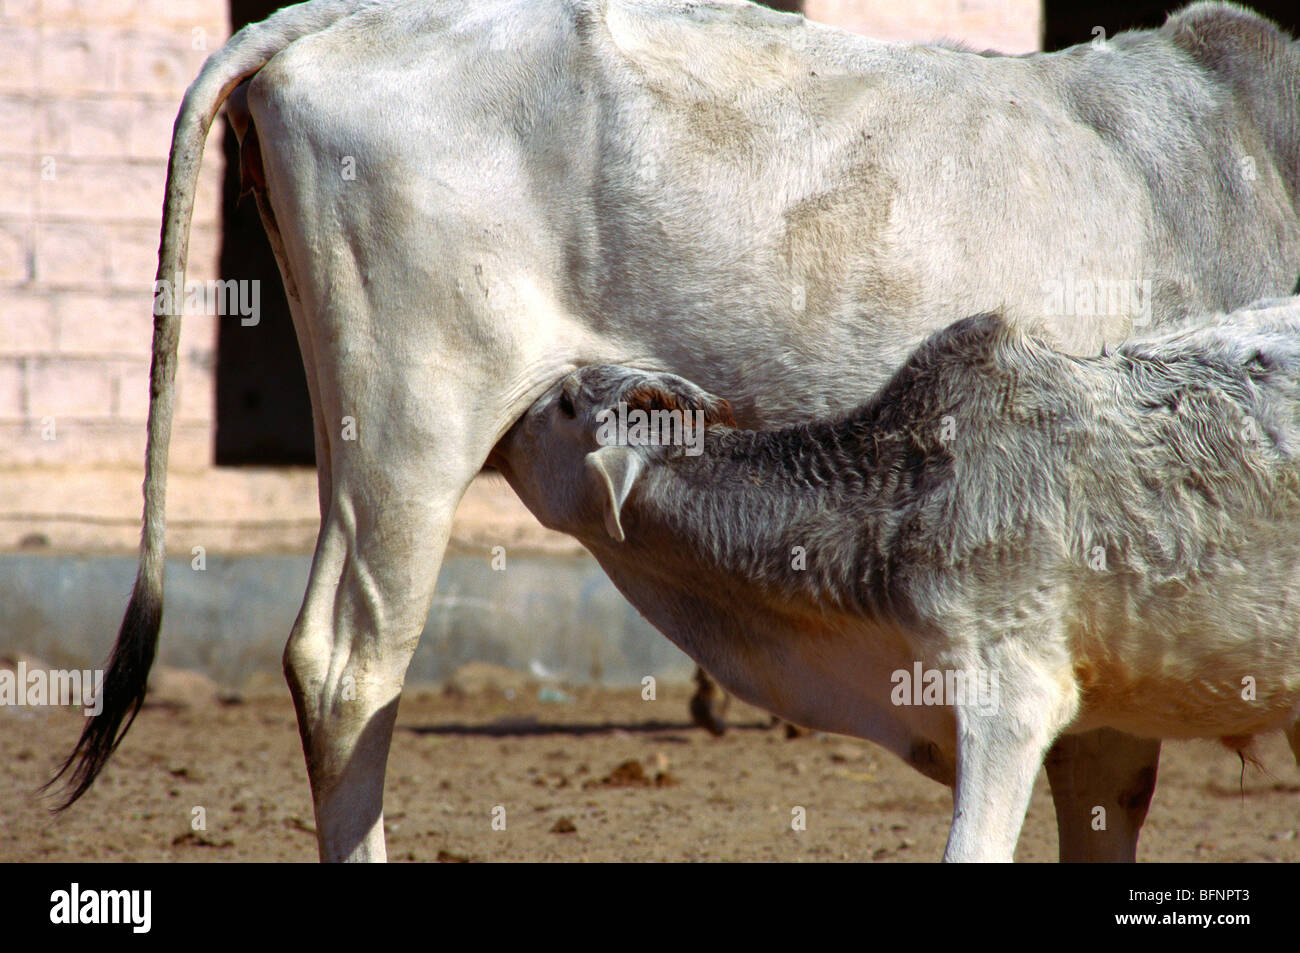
[(468, 200)]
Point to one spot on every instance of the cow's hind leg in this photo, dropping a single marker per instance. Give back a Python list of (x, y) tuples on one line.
[(371, 584), (388, 491), (1102, 782), (391, 479)]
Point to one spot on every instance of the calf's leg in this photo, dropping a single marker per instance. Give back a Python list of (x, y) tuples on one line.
[(1000, 748)]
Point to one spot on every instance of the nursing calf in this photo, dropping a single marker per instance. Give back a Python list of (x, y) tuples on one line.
[(1004, 545)]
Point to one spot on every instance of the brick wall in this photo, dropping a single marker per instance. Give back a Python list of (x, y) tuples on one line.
[(88, 93), (1011, 26)]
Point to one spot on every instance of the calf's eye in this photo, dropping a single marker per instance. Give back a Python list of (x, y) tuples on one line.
[(566, 404)]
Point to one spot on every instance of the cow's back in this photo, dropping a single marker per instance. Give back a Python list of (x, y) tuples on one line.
[(775, 209)]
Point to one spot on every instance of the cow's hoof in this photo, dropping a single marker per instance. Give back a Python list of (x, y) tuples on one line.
[(704, 715)]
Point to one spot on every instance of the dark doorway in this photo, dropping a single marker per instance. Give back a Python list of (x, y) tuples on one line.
[(1067, 22), (263, 409)]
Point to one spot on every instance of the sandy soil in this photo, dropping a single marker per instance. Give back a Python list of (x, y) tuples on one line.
[(587, 774)]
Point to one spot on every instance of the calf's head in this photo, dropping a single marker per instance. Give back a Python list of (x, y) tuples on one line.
[(576, 455)]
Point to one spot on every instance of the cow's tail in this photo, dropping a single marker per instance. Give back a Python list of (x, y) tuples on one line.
[(126, 679)]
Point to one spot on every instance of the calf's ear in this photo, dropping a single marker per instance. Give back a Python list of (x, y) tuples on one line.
[(615, 470)]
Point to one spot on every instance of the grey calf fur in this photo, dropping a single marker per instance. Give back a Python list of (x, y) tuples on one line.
[(1117, 537)]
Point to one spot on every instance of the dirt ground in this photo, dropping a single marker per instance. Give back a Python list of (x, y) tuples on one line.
[(582, 774)]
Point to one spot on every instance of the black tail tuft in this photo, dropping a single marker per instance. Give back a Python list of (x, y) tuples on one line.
[(123, 692)]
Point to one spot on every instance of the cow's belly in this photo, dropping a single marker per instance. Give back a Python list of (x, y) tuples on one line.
[(831, 678), (821, 670)]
